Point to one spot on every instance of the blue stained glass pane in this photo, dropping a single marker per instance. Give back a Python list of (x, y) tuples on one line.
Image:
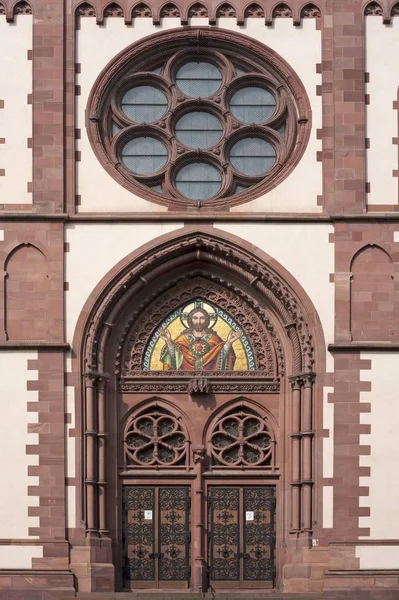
[(198, 130), (198, 181), (144, 104), (144, 155), (252, 156), (198, 79), (252, 105)]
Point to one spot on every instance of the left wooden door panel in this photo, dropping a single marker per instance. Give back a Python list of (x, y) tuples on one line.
[(156, 536)]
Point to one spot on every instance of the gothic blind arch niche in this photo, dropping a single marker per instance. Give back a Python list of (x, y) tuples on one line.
[(151, 292)]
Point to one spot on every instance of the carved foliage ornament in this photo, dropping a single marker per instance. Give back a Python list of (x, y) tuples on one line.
[(141, 10), (310, 12), (113, 10), (254, 10), (373, 9), (198, 10), (85, 10), (23, 8), (282, 11), (198, 117)]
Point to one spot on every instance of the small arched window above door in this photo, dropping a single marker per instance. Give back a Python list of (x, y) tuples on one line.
[(155, 438), (242, 438)]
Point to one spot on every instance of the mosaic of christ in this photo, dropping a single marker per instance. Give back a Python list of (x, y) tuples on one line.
[(199, 337)]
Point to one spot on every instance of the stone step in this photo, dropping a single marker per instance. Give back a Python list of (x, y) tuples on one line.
[(184, 595)]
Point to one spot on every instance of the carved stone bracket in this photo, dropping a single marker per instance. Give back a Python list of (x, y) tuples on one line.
[(199, 386)]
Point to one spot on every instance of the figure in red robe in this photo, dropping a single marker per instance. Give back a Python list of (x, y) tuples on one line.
[(198, 348)]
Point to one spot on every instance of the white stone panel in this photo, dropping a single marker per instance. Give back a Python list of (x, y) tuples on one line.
[(16, 116), (328, 442), (1, 235), (70, 455), (381, 117), (299, 46), (383, 498), (102, 246), (14, 461), (19, 557), (311, 263), (328, 506), (378, 557)]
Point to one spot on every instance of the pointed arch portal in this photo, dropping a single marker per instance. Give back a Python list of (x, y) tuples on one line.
[(198, 364)]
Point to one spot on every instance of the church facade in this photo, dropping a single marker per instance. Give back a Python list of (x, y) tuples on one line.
[(199, 316)]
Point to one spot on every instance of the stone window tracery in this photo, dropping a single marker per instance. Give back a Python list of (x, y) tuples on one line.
[(205, 124), (242, 438), (155, 438)]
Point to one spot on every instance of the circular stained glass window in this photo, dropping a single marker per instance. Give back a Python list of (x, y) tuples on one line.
[(198, 130), (252, 156), (252, 104), (144, 104), (144, 155), (198, 181), (198, 79)]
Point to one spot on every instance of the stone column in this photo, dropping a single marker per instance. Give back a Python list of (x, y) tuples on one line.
[(296, 384), (197, 542), (91, 455), (102, 456), (307, 452)]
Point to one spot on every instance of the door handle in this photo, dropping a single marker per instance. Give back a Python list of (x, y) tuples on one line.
[(242, 555), (156, 555)]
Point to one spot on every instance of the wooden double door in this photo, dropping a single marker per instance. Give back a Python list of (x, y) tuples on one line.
[(239, 537)]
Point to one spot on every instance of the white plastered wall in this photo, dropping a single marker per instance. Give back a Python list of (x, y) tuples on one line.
[(299, 46), (16, 116), (381, 117), (70, 466), (383, 483), (102, 246), (14, 460)]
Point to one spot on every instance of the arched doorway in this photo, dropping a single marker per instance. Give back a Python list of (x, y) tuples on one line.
[(188, 420)]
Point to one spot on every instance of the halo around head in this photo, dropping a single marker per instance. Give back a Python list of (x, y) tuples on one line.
[(198, 304)]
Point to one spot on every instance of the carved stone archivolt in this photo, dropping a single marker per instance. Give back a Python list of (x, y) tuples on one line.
[(231, 299), (257, 289)]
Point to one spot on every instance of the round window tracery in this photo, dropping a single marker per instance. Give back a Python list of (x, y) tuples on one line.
[(155, 437), (242, 438), (214, 124)]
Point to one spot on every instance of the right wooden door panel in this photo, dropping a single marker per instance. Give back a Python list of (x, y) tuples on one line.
[(241, 533)]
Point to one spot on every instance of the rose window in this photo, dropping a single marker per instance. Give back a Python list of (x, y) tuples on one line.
[(207, 122), (155, 438), (242, 438)]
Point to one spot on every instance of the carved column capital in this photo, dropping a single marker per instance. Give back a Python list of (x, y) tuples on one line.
[(199, 453)]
